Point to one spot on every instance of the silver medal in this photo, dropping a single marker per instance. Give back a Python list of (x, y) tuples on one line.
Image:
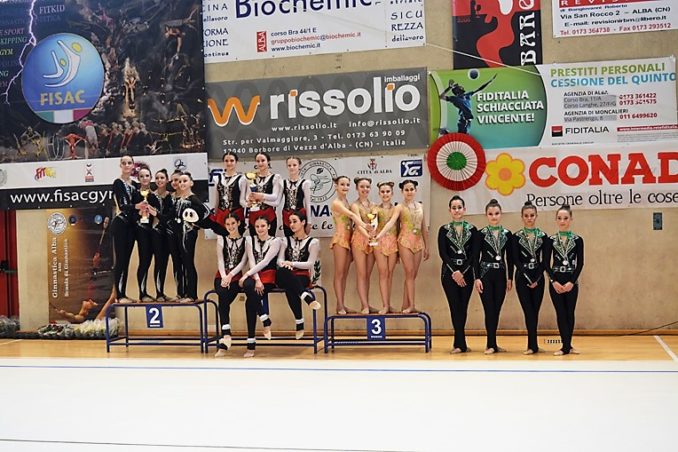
[(566, 262), (532, 260), (498, 258)]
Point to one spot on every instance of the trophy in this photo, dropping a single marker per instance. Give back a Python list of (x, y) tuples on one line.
[(374, 222), (144, 212), (252, 177)]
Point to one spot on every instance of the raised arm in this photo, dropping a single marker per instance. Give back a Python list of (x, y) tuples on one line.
[(339, 207), (391, 222), (273, 199), (361, 229)]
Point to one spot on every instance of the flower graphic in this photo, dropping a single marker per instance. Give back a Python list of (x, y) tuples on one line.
[(505, 174)]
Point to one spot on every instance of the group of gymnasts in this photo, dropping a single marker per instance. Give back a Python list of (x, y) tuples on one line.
[(489, 259), (165, 223)]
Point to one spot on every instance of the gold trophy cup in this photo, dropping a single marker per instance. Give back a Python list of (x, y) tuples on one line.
[(144, 213), (252, 177), (374, 222)]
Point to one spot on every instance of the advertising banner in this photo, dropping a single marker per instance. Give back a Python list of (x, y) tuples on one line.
[(491, 33), (90, 79), (602, 17), (588, 177), (321, 172), (82, 183), (253, 29), (360, 111), (558, 104), (79, 262)]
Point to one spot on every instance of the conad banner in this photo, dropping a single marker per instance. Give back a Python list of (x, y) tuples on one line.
[(586, 177), (602, 17), (89, 79), (558, 104), (328, 114), (320, 173), (79, 262), (82, 183), (254, 29), (492, 33)]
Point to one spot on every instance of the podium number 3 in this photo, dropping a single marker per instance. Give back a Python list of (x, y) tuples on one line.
[(376, 327)]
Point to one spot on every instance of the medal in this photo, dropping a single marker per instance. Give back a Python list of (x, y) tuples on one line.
[(497, 258), (415, 230), (532, 260), (566, 262)]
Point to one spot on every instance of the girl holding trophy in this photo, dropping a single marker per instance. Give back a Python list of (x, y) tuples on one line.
[(385, 245), (263, 194), (412, 238), (144, 232), (360, 241)]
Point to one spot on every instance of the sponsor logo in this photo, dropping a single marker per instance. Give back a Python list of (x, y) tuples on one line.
[(56, 223), (63, 78), (89, 175), (180, 164), (556, 131), (384, 97), (98, 219), (43, 172), (261, 41), (586, 130), (321, 174), (411, 168), (373, 168)]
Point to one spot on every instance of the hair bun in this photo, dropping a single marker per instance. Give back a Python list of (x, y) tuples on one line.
[(494, 201), (565, 206)]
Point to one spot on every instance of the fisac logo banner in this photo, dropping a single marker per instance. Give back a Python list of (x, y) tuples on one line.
[(373, 111)]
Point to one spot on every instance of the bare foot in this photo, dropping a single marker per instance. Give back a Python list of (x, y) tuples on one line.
[(490, 351), (365, 311), (529, 351), (299, 334), (267, 333), (455, 350), (558, 353), (248, 354), (574, 351)]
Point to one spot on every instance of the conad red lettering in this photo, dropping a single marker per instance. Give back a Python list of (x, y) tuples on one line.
[(583, 170), (600, 167), (665, 176), (534, 171), (638, 167)]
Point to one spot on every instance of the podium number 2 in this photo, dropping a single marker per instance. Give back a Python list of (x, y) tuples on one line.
[(154, 317), (376, 328)]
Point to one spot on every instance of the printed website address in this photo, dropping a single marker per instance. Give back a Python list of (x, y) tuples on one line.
[(56, 197)]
